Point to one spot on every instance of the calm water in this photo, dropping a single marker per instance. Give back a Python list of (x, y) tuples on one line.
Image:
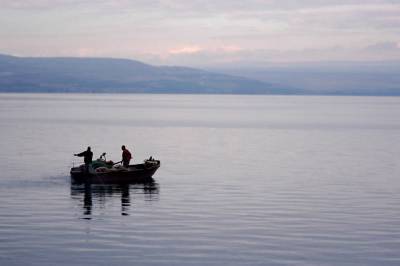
[(245, 180)]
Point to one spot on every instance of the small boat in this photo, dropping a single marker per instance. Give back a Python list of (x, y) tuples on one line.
[(106, 172)]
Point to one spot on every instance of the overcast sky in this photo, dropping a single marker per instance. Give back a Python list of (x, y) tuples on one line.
[(202, 32)]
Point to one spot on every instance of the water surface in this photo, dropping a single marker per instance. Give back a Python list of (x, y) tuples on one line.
[(245, 180)]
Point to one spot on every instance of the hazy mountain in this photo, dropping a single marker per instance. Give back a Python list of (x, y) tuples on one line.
[(327, 78), (20, 74), (28, 74)]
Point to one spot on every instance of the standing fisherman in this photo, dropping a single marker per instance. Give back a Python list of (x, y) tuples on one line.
[(126, 156), (88, 156)]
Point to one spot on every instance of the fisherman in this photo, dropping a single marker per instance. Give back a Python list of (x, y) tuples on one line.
[(87, 157), (126, 156)]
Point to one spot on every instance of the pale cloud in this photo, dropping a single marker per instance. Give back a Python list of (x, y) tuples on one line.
[(37, 4), (383, 46), (192, 49), (231, 48), (185, 50), (257, 57), (85, 52), (203, 32)]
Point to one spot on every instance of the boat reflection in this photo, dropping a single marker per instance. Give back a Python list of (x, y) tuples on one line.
[(92, 196)]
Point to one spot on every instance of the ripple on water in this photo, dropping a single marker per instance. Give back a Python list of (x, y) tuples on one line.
[(244, 181)]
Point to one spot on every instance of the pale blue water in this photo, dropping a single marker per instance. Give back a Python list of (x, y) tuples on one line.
[(245, 180)]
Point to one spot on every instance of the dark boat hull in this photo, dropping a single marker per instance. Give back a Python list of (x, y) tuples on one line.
[(139, 173)]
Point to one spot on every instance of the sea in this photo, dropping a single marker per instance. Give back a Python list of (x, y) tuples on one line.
[(244, 180)]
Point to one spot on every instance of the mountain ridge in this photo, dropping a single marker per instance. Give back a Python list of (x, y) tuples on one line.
[(76, 74)]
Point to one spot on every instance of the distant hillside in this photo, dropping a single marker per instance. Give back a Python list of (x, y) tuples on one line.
[(328, 78), (20, 74)]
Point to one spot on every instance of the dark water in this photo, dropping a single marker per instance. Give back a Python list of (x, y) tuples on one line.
[(245, 180)]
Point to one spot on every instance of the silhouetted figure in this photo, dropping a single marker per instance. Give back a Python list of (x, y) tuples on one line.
[(126, 156), (87, 157)]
